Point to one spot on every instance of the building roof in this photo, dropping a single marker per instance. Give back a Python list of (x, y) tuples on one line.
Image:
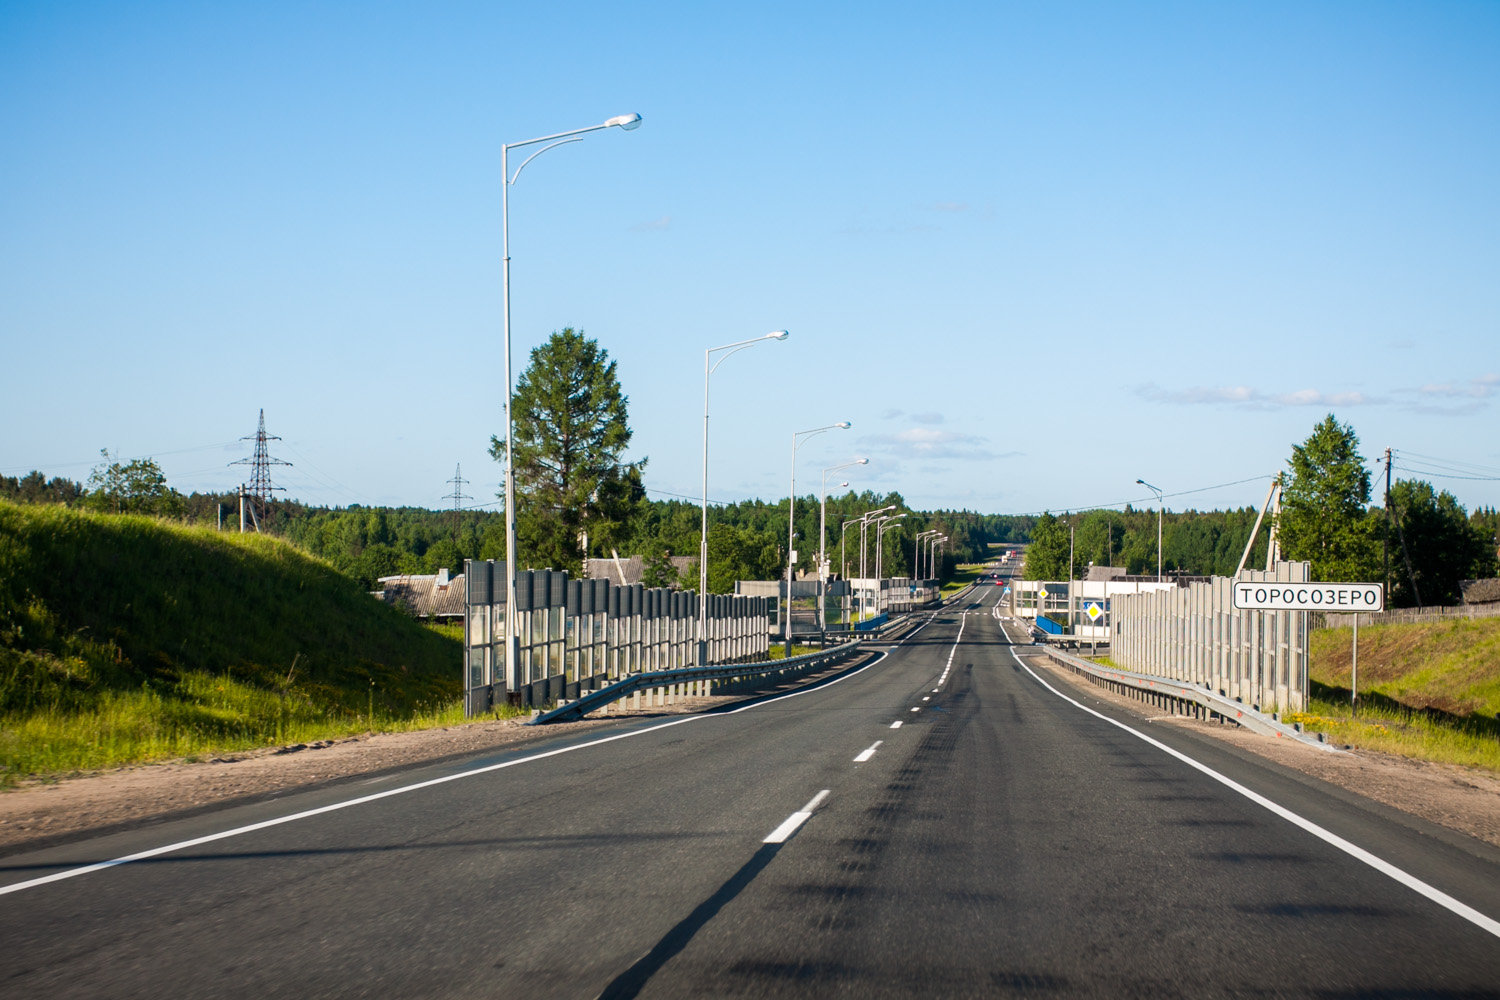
[(1481, 591), (426, 596), (629, 570)]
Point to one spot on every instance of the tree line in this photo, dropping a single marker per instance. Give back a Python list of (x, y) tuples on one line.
[(1418, 538), (577, 497)]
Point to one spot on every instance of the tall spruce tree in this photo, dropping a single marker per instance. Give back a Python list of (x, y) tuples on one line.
[(1324, 506), (570, 431)]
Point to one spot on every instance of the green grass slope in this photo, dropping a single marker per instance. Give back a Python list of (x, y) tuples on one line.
[(1427, 690), (1451, 666), (126, 639)]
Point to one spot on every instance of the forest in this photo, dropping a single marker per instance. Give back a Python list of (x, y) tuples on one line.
[(748, 539)]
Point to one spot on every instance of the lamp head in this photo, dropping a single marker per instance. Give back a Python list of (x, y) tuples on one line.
[(777, 335), (626, 122), (843, 425), (863, 461), (1141, 482)]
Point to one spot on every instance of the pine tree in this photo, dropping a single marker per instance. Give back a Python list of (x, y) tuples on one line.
[(570, 432)]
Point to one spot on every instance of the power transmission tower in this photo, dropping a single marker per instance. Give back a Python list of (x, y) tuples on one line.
[(260, 489), (458, 482)]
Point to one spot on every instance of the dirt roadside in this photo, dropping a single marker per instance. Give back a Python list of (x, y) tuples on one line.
[(36, 814), (40, 813)]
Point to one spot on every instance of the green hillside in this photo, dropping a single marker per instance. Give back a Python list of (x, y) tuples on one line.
[(125, 638), (1427, 690)]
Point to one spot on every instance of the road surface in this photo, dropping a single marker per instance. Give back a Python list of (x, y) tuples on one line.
[(947, 821)]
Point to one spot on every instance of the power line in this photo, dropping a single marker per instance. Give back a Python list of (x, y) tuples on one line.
[(1441, 468), (1116, 503)]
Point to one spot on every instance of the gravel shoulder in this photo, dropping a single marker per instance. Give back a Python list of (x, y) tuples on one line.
[(40, 813)]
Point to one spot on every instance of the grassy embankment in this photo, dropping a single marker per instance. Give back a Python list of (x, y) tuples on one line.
[(125, 639), (963, 575), (1430, 690)]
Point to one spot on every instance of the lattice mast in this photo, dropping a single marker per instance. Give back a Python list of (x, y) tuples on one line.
[(260, 489), (458, 482)]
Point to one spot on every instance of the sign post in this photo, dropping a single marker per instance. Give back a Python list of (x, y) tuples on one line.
[(1345, 597)]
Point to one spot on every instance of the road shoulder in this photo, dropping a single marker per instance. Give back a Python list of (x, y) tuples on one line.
[(1461, 799)]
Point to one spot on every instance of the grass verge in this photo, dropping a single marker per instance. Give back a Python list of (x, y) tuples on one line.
[(125, 640)]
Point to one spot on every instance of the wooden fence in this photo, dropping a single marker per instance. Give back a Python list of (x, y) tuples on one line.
[(1406, 616)]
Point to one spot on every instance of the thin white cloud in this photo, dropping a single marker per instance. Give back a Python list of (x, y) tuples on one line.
[(1482, 387), (931, 443), (858, 230), (927, 418), (1453, 399), (657, 226), (1251, 398), (1316, 397), (948, 206)]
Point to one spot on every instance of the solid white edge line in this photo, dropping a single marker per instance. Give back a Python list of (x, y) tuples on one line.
[(1356, 852), (400, 790), (791, 823), (868, 752)]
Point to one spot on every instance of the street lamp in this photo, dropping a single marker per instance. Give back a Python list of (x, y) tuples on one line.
[(791, 506), (939, 539), (864, 522), (916, 551), (843, 566), (823, 540), (1159, 503), (880, 526), (624, 123), (709, 367)]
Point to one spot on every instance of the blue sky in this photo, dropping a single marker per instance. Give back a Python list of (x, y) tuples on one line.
[(1032, 251)]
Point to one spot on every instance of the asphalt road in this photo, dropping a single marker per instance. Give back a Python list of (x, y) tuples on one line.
[(1000, 840)]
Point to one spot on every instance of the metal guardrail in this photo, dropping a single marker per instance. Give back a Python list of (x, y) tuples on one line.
[(1182, 691), (794, 666)]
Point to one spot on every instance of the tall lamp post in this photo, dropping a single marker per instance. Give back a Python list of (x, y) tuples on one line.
[(864, 522), (880, 527), (624, 123), (916, 551), (1159, 504), (843, 567), (798, 437), (823, 541), (709, 367)]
